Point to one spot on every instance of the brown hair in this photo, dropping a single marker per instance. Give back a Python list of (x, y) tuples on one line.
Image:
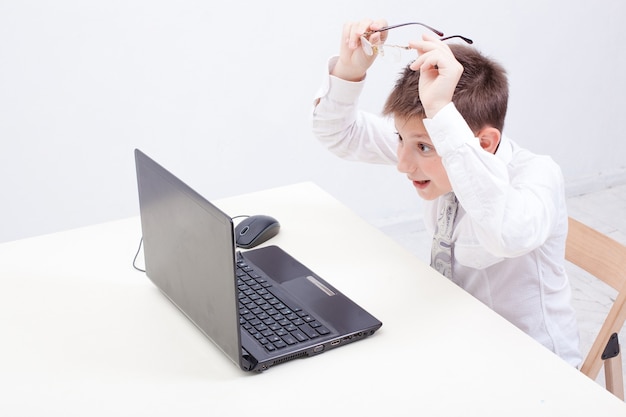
[(481, 95)]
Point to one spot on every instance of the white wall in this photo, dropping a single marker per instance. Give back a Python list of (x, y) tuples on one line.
[(221, 96)]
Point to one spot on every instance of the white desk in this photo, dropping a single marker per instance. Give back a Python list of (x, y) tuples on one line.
[(84, 334)]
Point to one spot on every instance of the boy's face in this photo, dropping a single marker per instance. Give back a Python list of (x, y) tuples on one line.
[(418, 159)]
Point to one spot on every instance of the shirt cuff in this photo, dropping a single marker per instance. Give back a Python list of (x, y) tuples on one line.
[(448, 130), (337, 89)]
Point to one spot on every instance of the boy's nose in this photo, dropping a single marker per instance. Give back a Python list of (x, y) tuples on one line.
[(406, 164)]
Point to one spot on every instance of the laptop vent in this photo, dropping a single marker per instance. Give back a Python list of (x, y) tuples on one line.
[(288, 358)]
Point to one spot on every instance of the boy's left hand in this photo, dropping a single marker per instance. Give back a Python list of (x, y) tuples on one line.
[(439, 73)]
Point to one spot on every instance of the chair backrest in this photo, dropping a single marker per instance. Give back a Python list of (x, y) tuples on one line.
[(605, 259)]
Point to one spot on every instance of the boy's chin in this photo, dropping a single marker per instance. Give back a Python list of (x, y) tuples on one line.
[(427, 196), (430, 196)]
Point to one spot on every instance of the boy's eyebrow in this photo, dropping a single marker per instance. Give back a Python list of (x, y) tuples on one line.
[(423, 137), (415, 135)]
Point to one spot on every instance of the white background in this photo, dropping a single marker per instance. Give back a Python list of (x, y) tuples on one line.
[(220, 94)]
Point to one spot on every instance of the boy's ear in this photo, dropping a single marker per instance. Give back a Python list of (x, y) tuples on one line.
[(489, 138)]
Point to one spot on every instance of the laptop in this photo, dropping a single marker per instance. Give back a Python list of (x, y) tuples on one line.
[(261, 306)]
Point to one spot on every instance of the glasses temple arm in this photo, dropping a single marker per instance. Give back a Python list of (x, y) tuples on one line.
[(468, 40), (386, 28)]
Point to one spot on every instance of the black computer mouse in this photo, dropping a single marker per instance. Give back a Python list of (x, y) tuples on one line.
[(255, 230)]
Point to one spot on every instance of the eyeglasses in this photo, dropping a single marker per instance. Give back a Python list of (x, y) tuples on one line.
[(378, 49)]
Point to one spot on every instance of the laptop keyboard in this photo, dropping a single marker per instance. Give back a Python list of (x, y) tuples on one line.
[(274, 323)]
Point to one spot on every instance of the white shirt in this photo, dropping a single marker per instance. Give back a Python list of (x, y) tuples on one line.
[(511, 225)]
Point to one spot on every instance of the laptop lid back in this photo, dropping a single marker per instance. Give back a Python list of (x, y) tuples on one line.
[(189, 253)]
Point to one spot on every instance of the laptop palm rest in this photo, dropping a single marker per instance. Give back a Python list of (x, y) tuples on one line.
[(309, 290)]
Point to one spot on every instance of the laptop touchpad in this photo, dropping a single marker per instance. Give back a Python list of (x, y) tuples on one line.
[(277, 263)]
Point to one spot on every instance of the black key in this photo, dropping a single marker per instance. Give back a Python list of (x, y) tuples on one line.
[(289, 339), (280, 344), (309, 331), (322, 330), (299, 335)]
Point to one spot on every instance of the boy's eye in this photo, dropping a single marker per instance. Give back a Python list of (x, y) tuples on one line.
[(399, 136), (424, 147)]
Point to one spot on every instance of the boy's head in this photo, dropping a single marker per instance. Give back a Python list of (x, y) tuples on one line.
[(481, 94), (481, 97)]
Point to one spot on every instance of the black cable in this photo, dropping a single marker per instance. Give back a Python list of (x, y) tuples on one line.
[(136, 255)]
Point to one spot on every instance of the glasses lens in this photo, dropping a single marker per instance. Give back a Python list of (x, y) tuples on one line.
[(367, 46), (392, 53)]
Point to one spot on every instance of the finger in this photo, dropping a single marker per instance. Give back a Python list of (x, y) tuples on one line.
[(356, 31), (345, 35), (426, 44), (430, 49), (378, 37), (429, 62), (368, 25)]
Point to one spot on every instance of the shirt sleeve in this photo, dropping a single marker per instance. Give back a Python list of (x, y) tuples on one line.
[(513, 205), (346, 131)]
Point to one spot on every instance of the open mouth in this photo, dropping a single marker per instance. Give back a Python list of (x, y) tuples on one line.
[(421, 183)]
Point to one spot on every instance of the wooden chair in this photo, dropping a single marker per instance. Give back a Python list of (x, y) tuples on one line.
[(605, 259)]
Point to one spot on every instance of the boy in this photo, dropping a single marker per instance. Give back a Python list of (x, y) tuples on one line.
[(498, 212)]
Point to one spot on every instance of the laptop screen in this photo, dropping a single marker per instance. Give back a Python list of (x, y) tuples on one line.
[(189, 253)]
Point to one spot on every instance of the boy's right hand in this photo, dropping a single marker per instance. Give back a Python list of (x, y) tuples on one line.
[(353, 63), (439, 73)]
